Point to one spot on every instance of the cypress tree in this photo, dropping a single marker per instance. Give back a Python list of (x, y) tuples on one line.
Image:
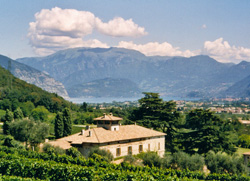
[(59, 125), (67, 122)]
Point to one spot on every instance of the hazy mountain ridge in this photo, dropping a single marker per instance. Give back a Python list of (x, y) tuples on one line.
[(107, 87), (33, 76), (240, 89), (170, 76)]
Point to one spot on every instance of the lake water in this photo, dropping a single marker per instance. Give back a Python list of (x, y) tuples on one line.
[(119, 99)]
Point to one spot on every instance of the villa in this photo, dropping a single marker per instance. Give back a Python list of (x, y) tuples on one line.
[(120, 140)]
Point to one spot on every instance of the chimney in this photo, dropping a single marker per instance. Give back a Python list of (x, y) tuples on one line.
[(83, 131), (87, 127), (90, 133)]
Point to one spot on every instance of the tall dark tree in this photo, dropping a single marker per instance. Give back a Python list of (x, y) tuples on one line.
[(67, 123), (59, 126), (84, 107), (207, 133), (149, 110), (169, 122), (155, 113), (7, 119)]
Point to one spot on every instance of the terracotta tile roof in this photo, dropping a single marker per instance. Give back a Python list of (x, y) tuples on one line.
[(61, 143), (101, 135), (108, 117)]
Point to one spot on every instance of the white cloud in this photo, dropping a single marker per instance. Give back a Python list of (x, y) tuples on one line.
[(224, 52), (119, 27), (155, 48), (58, 29), (204, 26)]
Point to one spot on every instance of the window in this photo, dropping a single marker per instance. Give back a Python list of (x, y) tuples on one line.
[(148, 147), (106, 122), (159, 146), (114, 122), (130, 150), (118, 151), (140, 148)]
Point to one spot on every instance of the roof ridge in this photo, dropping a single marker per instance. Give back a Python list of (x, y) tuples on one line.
[(96, 136)]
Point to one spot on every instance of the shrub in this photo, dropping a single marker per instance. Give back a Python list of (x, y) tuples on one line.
[(130, 159), (48, 148), (9, 141), (151, 159), (104, 153), (182, 160), (223, 163), (244, 141), (74, 152)]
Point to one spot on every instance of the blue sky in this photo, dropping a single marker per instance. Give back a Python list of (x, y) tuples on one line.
[(218, 28)]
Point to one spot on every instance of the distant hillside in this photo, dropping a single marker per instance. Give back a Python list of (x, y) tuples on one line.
[(169, 76), (17, 91), (106, 88), (240, 89), (34, 76)]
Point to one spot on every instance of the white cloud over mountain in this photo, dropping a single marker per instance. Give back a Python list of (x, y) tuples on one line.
[(57, 29), (224, 52), (155, 48), (66, 28)]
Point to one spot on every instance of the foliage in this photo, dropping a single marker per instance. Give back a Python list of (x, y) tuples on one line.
[(27, 108), (7, 119), (107, 155), (9, 141), (29, 131), (74, 152), (84, 107), (18, 113), (130, 159), (151, 159), (59, 125), (244, 141), (153, 112), (22, 92), (31, 164), (48, 148), (208, 133), (183, 161), (67, 124), (40, 113), (223, 163)]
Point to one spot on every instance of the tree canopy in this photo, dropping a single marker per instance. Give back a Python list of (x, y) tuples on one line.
[(161, 115), (207, 132)]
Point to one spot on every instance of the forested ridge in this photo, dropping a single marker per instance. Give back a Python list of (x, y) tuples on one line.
[(14, 91)]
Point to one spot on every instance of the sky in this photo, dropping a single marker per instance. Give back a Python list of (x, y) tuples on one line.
[(217, 28)]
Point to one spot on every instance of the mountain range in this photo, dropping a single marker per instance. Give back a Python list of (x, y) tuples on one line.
[(78, 68), (33, 76)]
